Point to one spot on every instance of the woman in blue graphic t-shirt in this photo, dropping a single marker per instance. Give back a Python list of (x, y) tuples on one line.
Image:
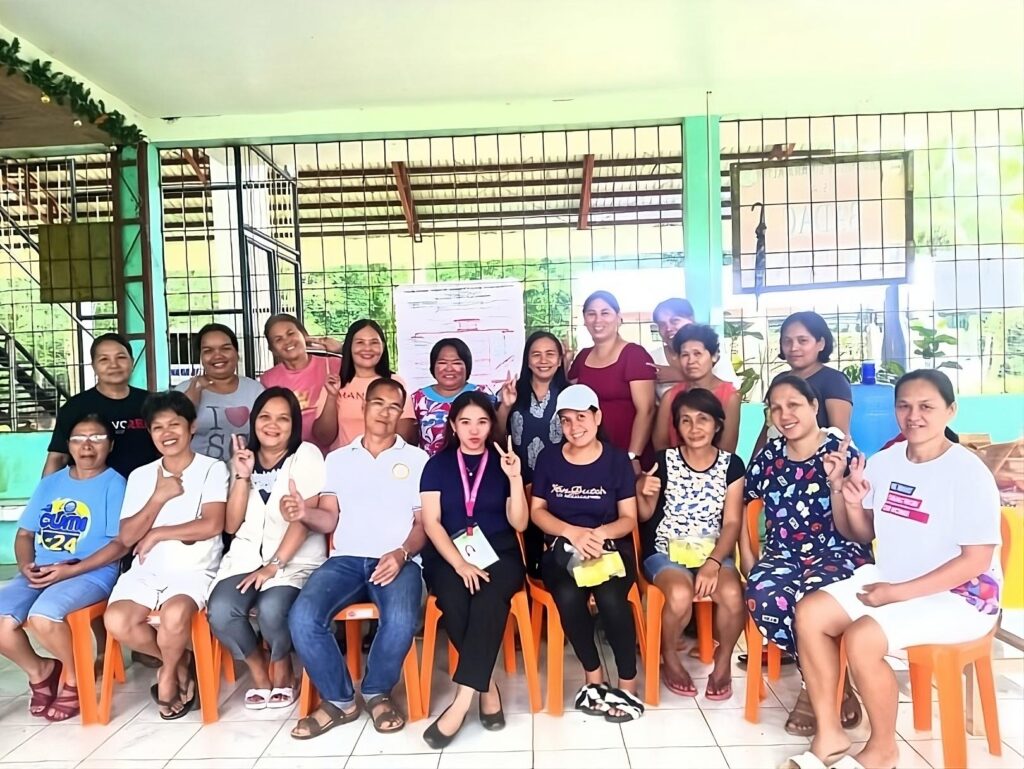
[(67, 552)]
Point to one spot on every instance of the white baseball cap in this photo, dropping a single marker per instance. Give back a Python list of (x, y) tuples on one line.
[(577, 397)]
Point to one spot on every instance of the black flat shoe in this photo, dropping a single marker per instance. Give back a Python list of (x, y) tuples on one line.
[(435, 738), (492, 722)]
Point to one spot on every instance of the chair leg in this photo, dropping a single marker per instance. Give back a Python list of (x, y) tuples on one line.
[(638, 619), (652, 665), (411, 675), (354, 648), (119, 674), (508, 647), (430, 620), (755, 683), (921, 695), (989, 708), (841, 688), (531, 667), (951, 713), (111, 659), (556, 660), (81, 644), (308, 696), (207, 683), (705, 631), (536, 620), (774, 662)]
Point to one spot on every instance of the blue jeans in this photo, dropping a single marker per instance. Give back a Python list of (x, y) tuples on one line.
[(344, 580)]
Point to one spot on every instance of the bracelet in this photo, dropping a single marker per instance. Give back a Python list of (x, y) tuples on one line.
[(242, 477), (404, 552), (712, 558)]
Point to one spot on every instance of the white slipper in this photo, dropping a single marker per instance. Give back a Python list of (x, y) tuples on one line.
[(261, 703), (847, 762), (287, 692), (806, 760)]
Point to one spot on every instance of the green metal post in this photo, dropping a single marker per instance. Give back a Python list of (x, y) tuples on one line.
[(702, 218)]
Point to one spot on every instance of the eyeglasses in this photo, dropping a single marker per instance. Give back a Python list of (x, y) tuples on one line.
[(79, 440)]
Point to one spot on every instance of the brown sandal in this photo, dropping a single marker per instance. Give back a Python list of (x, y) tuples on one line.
[(45, 692), (337, 717), (801, 721), (388, 712), (64, 706)]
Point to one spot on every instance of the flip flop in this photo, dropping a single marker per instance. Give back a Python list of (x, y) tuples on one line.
[(679, 689), (724, 692)]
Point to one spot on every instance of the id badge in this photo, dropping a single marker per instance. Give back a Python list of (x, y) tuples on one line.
[(475, 548)]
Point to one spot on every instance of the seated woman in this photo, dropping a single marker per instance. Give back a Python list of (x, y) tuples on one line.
[(473, 505), (697, 352), (173, 517), (270, 558), (584, 500), (451, 364), (695, 497), (932, 508), (67, 552), (803, 550)]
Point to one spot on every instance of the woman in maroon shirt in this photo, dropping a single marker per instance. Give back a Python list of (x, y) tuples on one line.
[(622, 374)]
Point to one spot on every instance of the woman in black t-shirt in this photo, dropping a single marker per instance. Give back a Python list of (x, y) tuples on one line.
[(584, 501), (472, 563)]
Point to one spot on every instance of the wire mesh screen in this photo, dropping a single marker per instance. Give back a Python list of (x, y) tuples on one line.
[(963, 305)]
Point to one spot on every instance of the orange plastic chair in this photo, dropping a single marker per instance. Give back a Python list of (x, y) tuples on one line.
[(757, 689), (80, 623), (353, 616), (520, 612), (208, 656)]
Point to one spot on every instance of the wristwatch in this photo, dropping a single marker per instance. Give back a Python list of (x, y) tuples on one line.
[(275, 561), (405, 553)]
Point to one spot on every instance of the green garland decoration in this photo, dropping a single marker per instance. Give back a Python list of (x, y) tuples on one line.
[(64, 89)]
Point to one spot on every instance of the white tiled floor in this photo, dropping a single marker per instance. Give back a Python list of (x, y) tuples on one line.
[(683, 732)]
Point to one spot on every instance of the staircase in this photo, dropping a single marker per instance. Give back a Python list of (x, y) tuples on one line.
[(29, 394)]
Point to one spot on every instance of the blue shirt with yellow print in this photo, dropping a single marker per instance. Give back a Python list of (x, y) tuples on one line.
[(72, 518)]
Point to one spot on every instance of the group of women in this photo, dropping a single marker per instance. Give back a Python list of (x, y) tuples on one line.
[(592, 456)]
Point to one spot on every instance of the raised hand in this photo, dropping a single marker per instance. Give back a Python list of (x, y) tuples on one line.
[(856, 487), (242, 459), (511, 465), (198, 383), (508, 392), (293, 506), (836, 462), (168, 486), (325, 343), (333, 385), (568, 352), (649, 482)]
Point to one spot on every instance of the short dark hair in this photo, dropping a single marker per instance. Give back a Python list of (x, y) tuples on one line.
[(295, 438), (524, 390), (696, 332), (676, 306), (169, 400), (281, 317), (605, 296), (701, 400), (94, 419), (797, 383), (110, 337), (461, 403), (385, 381), (818, 328), (209, 328), (348, 365), (934, 377), (461, 349)]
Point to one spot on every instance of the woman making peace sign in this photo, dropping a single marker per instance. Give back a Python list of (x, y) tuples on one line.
[(273, 553)]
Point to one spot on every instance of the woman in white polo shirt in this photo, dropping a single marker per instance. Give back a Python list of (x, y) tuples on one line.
[(270, 558)]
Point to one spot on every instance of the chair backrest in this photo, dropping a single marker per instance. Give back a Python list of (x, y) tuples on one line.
[(1004, 549), (754, 509)]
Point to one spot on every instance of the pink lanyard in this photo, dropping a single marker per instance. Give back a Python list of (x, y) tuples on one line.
[(470, 493)]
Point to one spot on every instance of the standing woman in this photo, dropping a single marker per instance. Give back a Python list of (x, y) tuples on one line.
[(473, 505), (932, 507), (803, 550), (696, 348), (451, 364), (222, 398), (527, 410), (364, 357), (270, 558), (806, 344), (621, 373), (584, 500), (303, 374), (67, 551)]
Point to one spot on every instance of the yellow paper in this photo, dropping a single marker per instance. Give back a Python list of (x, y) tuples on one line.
[(691, 552), (598, 570)]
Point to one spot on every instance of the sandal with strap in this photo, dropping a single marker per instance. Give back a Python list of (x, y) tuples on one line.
[(64, 706), (801, 721), (45, 691), (850, 711), (336, 715), (807, 760), (590, 699), (256, 699), (281, 697), (628, 704), (388, 712)]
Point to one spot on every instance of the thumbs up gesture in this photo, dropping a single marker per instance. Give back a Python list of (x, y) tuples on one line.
[(649, 482), (293, 506)]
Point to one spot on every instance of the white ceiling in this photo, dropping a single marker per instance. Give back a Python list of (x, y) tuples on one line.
[(192, 58)]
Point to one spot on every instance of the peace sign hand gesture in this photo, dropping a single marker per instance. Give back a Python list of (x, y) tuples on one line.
[(835, 464), (293, 506), (242, 459), (333, 385), (508, 392), (510, 462), (856, 487)]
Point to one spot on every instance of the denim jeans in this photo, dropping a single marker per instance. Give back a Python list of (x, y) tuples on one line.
[(228, 612), (344, 580)]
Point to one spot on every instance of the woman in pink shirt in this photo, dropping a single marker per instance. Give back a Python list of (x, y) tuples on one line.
[(697, 348), (303, 374)]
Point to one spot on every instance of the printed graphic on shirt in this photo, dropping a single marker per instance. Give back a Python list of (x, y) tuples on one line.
[(578, 491), (62, 523), (901, 501)]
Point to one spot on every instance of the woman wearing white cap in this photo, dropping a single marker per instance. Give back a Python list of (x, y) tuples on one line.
[(584, 500)]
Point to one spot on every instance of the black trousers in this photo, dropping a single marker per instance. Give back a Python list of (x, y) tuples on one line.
[(475, 623), (577, 622)]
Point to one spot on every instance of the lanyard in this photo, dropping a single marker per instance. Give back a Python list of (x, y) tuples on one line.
[(470, 493)]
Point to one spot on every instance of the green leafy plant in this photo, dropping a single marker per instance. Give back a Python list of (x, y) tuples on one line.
[(852, 372), (928, 345), (749, 376)]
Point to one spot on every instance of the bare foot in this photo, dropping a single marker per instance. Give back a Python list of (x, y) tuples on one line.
[(830, 747), (879, 757)]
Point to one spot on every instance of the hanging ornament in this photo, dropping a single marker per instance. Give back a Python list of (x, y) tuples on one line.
[(45, 99)]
